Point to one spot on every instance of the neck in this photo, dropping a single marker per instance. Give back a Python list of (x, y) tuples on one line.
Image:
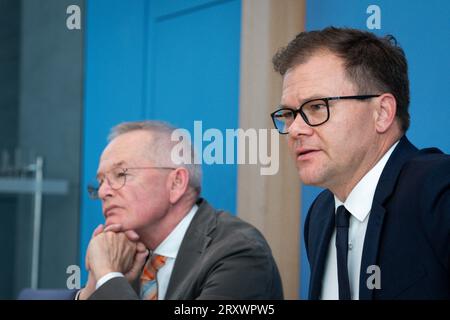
[(152, 235), (343, 190)]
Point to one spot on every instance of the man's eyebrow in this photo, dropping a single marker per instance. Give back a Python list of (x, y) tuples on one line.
[(302, 101), (314, 97), (119, 164), (115, 165)]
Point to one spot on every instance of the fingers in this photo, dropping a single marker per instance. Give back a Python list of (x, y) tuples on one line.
[(86, 263), (131, 234), (113, 248), (140, 248), (139, 260), (97, 230), (86, 258), (113, 227)]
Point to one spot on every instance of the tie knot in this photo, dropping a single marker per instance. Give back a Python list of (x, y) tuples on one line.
[(157, 261), (152, 266), (342, 217)]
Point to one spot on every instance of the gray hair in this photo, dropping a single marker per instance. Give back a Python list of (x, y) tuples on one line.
[(161, 146)]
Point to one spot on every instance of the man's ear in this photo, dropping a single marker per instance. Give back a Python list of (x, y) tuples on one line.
[(179, 181), (386, 110)]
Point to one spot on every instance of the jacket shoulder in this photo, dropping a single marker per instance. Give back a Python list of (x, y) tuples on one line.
[(237, 256), (429, 166)]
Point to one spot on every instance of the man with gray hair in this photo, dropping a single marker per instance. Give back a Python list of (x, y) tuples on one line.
[(160, 239)]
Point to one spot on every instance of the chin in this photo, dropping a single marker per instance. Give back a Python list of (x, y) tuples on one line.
[(309, 178), (113, 220), (309, 182)]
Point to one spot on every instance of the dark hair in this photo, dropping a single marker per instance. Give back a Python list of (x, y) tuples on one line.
[(373, 63)]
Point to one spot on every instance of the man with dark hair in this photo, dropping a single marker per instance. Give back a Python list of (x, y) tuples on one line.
[(160, 239), (381, 229)]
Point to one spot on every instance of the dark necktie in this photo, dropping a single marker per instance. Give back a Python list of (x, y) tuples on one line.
[(342, 222)]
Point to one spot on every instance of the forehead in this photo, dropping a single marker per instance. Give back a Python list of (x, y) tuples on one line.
[(130, 148), (322, 75)]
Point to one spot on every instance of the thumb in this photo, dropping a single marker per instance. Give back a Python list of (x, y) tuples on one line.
[(140, 259)]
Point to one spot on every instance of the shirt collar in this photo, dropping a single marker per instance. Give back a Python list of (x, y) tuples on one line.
[(171, 244), (360, 199)]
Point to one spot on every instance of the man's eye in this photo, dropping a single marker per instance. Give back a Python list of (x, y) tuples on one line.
[(121, 174), (285, 114), (288, 115), (317, 106)]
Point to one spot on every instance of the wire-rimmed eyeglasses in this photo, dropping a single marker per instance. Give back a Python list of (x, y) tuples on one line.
[(116, 178)]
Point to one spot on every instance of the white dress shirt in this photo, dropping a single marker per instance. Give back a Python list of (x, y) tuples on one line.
[(169, 248), (358, 203)]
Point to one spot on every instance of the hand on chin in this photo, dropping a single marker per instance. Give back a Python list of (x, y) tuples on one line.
[(113, 220)]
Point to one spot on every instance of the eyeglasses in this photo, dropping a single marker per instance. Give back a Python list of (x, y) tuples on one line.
[(315, 112), (116, 178)]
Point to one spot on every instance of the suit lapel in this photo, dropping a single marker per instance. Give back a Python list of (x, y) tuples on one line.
[(325, 229), (370, 249), (403, 152), (195, 241)]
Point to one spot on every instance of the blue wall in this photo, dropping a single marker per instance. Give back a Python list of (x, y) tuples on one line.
[(194, 75), (178, 61), (168, 60), (422, 29)]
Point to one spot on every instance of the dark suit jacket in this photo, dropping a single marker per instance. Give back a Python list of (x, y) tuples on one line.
[(408, 232), (221, 257)]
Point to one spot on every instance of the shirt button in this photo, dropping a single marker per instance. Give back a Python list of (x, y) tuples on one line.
[(350, 245)]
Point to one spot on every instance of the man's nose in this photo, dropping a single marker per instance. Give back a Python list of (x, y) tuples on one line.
[(105, 190), (299, 127)]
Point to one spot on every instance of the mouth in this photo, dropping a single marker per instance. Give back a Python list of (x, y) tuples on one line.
[(110, 211), (305, 153)]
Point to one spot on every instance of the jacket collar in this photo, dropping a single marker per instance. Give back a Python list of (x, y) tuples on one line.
[(195, 241), (388, 179), (325, 223)]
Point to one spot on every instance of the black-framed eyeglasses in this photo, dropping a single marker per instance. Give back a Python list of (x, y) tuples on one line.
[(315, 112), (116, 178)]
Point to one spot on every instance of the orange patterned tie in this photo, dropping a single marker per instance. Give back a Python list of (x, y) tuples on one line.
[(149, 285)]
